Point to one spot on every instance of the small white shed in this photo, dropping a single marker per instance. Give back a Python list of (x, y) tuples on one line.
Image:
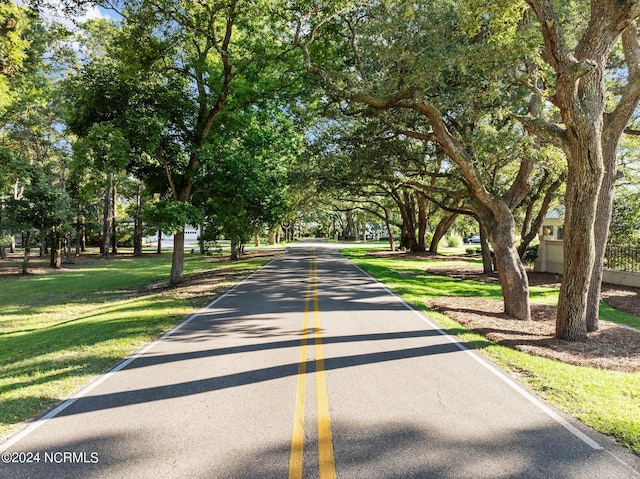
[(550, 252), (553, 224)]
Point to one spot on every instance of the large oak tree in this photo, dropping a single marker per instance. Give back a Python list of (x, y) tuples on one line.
[(588, 131), (440, 83)]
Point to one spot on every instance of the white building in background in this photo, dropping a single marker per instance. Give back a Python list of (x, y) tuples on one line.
[(191, 235), (551, 252)]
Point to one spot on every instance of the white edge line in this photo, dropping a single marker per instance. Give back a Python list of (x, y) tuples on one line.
[(510, 382), (40, 421)]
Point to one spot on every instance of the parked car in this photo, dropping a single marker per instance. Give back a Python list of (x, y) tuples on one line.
[(474, 239)]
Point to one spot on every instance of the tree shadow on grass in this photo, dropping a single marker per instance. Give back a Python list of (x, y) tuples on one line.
[(78, 332)]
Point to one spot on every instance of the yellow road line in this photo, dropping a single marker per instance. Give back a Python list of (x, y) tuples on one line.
[(326, 460), (297, 437), (325, 440)]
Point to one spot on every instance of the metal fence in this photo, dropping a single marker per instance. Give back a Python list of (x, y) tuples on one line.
[(622, 258)]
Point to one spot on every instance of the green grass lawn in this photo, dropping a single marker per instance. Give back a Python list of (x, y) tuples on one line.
[(59, 330), (608, 401)]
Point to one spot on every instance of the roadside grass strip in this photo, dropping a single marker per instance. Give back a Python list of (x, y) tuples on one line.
[(608, 401), (59, 330)]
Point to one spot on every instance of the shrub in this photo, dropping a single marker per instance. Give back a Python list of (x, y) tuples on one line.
[(453, 241), (210, 248), (530, 254)]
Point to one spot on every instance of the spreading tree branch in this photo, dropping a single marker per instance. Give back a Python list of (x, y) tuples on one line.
[(551, 132)]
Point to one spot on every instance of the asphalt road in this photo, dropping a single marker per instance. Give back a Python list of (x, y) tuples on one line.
[(309, 369)]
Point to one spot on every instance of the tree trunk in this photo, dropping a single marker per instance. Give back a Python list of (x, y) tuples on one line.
[(500, 229), (56, 250), (27, 251), (234, 250), (114, 220), (387, 224), (159, 245), (67, 249), (581, 97), (177, 260), (137, 234), (44, 249), (615, 124), (291, 231), (583, 185), (106, 218), (137, 237), (604, 207), (349, 232), (513, 280), (601, 234), (256, 240), (584, 119), (78, 235), (83, 236), (408, 239), (422, 223), (497, 226), (442, 228), (12, 240), (487, 260)]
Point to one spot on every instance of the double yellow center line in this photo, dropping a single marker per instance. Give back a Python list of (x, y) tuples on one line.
[(325, 441)]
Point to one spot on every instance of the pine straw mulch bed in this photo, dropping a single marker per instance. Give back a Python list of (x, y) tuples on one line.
[(613, 346)]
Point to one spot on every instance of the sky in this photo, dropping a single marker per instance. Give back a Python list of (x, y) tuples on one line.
[(59, 17), (56, 15)]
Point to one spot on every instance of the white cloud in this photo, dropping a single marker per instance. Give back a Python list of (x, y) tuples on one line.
[(93, 12), (56, 14)]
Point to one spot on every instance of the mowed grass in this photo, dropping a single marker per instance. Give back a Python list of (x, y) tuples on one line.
[(59, 330), (608, 401)]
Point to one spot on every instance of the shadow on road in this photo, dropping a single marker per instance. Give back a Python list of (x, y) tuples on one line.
[(384, 451)]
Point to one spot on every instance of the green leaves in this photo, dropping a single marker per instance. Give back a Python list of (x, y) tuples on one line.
[(13, 44), (244, 187), (171, 216), (497, 20), (625, 219), (42, 206), (104, 147)]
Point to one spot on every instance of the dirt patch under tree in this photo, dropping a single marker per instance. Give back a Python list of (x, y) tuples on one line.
[(613, 346)]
